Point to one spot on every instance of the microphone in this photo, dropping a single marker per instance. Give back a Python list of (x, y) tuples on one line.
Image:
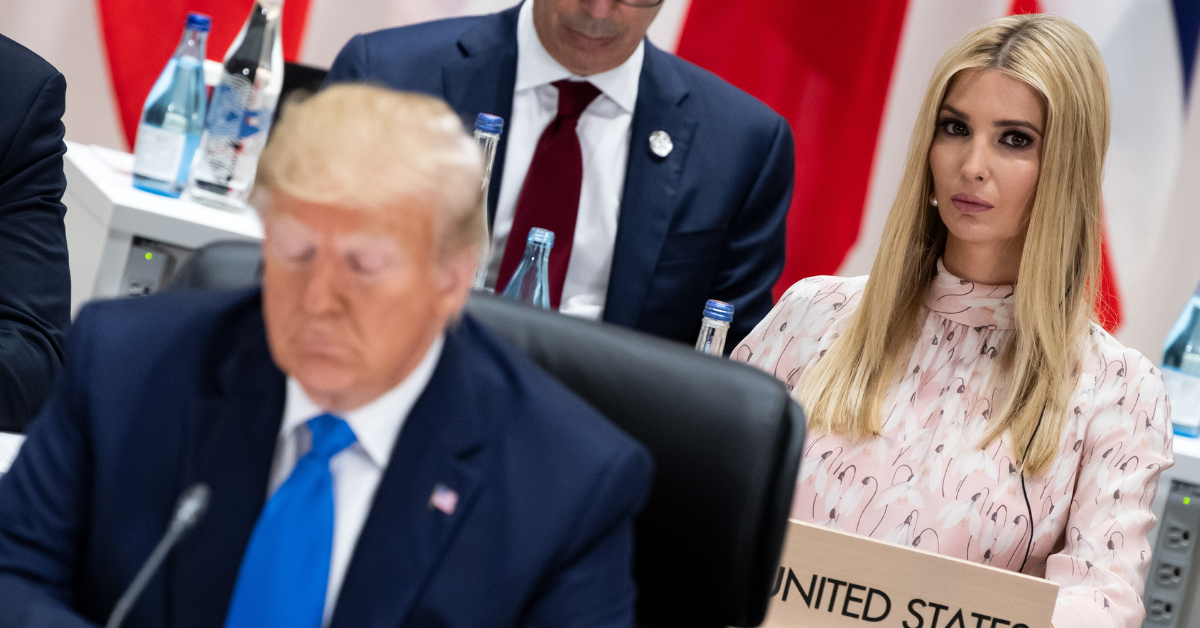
[(189, 510)]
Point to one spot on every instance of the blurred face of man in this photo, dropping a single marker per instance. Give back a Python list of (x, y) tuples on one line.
[(591, 36), (353, 298)]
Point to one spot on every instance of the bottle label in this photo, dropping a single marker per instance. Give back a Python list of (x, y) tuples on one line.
[(158, 152), (1183, 389), (222, 131), (239, 119), (712, 336)]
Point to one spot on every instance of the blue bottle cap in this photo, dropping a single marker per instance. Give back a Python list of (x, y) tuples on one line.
[(540, 236), (489, 123), (718, 311), (199, 22)]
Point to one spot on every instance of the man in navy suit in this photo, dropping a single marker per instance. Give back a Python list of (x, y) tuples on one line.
[(375, 457), (35, 281), (686, 180)]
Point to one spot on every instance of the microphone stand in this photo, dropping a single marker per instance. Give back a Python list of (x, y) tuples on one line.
[(188, 511)]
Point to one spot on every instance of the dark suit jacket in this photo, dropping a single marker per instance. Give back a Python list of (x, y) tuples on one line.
[(162, 392), (706, 222), (35, 281)]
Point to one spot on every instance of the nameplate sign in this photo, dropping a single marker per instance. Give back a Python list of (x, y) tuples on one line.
[(831, 579)]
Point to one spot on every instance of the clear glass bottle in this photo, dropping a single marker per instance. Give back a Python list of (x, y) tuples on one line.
[(530, 284), (239, 116), (714, 327), (1181, 369), (487, 132), (173, 116)]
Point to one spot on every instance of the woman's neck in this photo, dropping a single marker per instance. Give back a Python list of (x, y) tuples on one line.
[(988, 263)]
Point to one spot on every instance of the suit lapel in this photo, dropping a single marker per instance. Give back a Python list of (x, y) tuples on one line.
[(232, 432), (483, 81), (404, 537), (651, 196)]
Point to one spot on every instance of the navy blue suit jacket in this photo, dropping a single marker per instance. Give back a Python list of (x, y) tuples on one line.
[(162, 392), (35, 281), (706, 222)]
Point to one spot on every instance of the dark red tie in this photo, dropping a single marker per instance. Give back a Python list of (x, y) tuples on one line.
[(550, 196)]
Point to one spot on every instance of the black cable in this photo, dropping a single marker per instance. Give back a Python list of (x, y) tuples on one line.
[(1024, 459)]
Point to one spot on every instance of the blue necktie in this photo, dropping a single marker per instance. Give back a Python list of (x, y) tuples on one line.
[(285, 570)]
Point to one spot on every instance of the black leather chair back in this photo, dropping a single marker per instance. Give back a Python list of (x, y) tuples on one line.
[(726, 441)]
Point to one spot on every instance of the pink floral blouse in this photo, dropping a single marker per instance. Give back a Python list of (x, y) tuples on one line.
[(923, 483)]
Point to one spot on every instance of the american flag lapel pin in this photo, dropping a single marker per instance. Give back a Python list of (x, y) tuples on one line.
[(443, 498)]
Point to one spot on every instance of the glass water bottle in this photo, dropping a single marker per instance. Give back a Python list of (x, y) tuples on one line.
[(173, 116), (714, 327), (487, 132), (531, 283), (1181, 369), (239, 116)]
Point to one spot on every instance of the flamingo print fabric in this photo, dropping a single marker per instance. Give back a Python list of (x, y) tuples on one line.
[(925, 483)]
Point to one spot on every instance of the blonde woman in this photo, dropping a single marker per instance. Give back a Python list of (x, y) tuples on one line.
[(961, 398)]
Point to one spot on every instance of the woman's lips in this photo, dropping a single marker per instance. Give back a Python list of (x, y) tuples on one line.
[(969, 204)]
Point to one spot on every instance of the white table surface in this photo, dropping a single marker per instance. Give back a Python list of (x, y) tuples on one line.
[(106, 214), (108, 179)]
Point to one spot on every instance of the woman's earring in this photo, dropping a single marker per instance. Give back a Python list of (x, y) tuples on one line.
[(933, 200)]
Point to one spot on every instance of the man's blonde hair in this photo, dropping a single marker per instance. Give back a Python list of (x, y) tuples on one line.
[(1056, 297), (361, 146)]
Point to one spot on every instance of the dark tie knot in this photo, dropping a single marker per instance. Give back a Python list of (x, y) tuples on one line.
[(574, 97), (330, 435)]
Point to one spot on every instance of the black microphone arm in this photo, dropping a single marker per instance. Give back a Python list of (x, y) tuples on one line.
[(188, 511)]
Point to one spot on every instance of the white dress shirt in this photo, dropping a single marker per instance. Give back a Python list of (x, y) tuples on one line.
[(603, 131), (357, 469)]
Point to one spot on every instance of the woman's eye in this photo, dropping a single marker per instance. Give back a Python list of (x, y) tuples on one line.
[(1016, 140), (954, 127)]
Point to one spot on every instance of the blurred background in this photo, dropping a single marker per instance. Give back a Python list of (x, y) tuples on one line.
[(849, 76)]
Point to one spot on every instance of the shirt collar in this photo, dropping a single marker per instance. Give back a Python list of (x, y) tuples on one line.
[(377, 424), (969, 303), (535, 66)]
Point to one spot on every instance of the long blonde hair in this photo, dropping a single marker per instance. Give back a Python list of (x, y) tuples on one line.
[(1060, 262)]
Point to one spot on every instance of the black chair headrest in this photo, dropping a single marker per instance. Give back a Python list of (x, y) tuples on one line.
[(224, 265)]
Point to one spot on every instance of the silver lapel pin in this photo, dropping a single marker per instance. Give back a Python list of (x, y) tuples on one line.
[(661, 144)]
